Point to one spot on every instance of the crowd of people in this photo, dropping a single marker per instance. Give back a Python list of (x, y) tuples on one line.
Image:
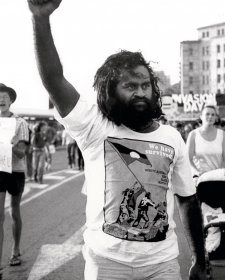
[(42, 144)]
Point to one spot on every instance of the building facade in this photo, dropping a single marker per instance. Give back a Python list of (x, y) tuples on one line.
[(203, 62)]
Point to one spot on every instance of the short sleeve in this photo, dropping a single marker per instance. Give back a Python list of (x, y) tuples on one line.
[(85, 123), (182, 181)]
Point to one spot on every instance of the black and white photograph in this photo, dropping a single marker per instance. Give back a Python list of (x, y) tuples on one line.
[(112, 140)]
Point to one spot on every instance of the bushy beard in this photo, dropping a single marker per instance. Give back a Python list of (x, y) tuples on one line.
[(132, 116)]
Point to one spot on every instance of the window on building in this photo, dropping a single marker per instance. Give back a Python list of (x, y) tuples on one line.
[(191, 65), (218, 63), (222, 31), (203, 34), (207, 65), (218, 78), (190, 51), (207, 34), (218, 48), (224, 78), (203, 65), (224, 47), (203, 51), (218, 32), (207, 80), (203, 92), (190, 80), (218, 91), (203, 79)]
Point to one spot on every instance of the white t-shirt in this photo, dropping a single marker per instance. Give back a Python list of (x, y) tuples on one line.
[(130, 179), (208, 154)]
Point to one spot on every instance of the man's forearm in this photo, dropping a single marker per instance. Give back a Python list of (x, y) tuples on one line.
[(191, 216), (62, 93), (49, 64)]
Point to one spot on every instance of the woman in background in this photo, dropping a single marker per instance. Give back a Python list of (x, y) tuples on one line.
[(206, 144), (206, 148)]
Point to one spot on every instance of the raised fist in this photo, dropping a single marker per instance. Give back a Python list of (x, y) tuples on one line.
[(38, 2), (43, 7)]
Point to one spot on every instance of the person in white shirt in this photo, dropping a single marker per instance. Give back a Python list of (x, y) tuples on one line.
[(122, 143), (14, 182), (206, 144)]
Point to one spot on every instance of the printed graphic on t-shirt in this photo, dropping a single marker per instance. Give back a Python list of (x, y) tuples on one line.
[(135, 189)]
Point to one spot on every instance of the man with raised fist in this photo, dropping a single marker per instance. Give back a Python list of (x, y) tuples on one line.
[(122, 144)]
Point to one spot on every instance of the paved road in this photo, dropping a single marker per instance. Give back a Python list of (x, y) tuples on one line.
[(53, 219)]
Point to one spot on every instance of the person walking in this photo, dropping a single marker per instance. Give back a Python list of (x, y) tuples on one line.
[(71, 148), (14, 182), (122, 143), (50, 137), (206, 144), (40, 151)]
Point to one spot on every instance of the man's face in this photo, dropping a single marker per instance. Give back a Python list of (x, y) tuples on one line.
[(134, 101), (134, 89), (5, 102)]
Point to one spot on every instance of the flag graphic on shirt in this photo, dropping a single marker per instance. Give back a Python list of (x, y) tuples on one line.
[(129, 155)]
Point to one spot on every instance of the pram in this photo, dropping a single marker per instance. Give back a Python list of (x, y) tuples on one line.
[(211, 192)]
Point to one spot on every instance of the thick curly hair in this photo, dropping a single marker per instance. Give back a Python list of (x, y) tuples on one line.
[(108, 76)]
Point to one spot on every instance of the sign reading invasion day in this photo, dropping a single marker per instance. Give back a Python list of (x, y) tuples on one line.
[(193, 102)]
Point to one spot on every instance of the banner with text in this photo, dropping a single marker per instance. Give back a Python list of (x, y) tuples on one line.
[(7, 132)]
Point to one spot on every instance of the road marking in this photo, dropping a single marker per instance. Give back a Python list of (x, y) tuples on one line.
[(52, 256), (37, 186), (53, 177), (47, 190)]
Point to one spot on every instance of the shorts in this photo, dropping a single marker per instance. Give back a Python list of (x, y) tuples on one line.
[(99, 268), (13, 182)]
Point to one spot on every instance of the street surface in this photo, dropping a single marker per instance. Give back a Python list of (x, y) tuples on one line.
[(53, 223)]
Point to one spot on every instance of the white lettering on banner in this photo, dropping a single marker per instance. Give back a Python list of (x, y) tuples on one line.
[(7, 132), (193, 102), (6, 157), (7, 129)]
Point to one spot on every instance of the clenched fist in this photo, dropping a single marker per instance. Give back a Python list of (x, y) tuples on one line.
[(38, 2)]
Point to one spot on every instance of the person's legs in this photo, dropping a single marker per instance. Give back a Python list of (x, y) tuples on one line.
[(69, 146), (73, 154), (29, 156), (2, 217), (98, 268), (41, 166), (35, 164), (16, 223), (169, 270)]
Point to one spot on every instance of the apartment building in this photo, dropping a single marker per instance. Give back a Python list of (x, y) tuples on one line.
[(203, 62)]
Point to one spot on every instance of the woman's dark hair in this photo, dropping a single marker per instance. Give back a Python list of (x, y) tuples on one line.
[(39, 126), (109, 74)]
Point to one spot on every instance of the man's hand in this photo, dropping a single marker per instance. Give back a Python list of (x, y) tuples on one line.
[(196, 272), (19, 149), (43, 8)]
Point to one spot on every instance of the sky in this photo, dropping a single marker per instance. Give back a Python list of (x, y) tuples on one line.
[(86, 32)]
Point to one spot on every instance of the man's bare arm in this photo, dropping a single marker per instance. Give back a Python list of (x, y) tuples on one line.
[(63, 95), (191, 217)]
